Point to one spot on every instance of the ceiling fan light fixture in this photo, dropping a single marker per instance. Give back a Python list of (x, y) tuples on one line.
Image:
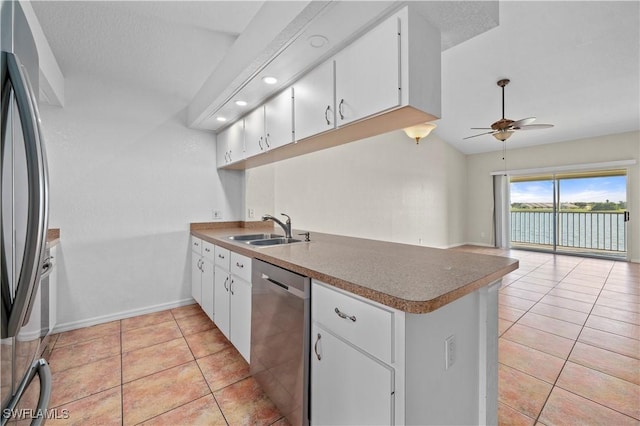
[(419, 131), (503, 135)]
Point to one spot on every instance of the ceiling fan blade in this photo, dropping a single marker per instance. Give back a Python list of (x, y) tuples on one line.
[(481, 128), (474, 136), (535, 127), (524, 122)]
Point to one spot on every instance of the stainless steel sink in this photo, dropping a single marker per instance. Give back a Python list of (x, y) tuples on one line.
[(273, 241), (251, 237)]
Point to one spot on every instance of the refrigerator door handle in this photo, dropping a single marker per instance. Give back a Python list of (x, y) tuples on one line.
[(41, 368), (37, 221)]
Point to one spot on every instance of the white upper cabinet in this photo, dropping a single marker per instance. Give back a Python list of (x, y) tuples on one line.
[(387, 79), (230, 144), (278, 120), (270, 125), (368, 73), (254, 133), (314, 103)]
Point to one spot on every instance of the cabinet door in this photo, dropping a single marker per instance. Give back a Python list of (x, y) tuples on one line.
[(240, 320), (368, 74), (221, 300), (222, 148), (313, 102), (207, 287), (235, 143), (230, 144), (196, 277), (348, 387), (254, 133), (278, 120)]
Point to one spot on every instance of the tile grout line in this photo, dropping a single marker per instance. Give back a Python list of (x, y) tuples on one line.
[(205, 378), (536, 420), (555, 384)]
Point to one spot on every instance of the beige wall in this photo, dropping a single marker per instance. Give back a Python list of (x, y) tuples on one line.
[(385, 187), (624, 146)]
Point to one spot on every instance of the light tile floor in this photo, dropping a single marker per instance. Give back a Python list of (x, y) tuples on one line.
[(167, 368), (569, 346), (569, 353)]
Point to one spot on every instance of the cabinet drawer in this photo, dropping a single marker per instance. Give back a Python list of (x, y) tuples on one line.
[(222, 256), (196, 245), (241, 266), (208, 250), (361, 323)]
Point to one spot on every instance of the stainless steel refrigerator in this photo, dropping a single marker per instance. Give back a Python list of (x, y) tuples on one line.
[(25, 384)]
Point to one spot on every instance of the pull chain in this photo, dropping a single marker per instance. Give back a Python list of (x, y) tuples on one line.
[(504, 156)]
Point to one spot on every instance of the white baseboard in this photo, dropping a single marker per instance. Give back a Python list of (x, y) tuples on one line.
[(476, 244), (59, 328)]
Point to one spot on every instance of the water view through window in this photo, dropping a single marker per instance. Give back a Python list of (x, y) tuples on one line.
[(572, 212)]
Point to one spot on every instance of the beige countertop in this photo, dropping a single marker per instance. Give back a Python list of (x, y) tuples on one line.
[(413, 279), (53, 237)]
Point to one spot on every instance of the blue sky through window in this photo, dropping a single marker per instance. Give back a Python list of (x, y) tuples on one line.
[(594, 189)]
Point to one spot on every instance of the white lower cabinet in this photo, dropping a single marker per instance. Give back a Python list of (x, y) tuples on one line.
[(221, 300), (232, 300), (372, 364), (207, 282), (196, 272), (202, 261), (240, 315), (349, 387)]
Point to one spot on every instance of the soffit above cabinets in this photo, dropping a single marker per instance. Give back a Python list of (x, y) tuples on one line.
[(292, 54)]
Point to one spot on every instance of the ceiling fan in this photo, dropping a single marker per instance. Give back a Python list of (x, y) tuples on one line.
[(504, 128)]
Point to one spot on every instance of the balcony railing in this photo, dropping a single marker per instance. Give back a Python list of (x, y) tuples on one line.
[(582, 230)]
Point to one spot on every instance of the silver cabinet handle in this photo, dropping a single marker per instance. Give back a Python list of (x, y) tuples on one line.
[(207, 249), (260, 143), (231, 287), (315, 347), (239, 265), (230, 156), (326, 115), (340, 109), (345, 316), (220, 256), (226, 280), (266, 140)]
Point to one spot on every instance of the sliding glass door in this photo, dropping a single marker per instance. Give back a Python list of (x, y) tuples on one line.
[(583, 213)]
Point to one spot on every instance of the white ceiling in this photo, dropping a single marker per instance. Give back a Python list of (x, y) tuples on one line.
[(575, 64)]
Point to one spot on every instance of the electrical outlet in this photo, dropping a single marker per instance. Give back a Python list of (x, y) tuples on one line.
[(251, 213), (217, 214), (449, 352)]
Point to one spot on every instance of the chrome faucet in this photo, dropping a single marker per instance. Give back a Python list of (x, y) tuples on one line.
[(285, 226)]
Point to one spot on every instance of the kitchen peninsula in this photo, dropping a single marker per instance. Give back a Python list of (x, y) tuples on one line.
[(432, 325)]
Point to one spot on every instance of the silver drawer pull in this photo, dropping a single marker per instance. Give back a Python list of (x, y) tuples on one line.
[(221, 256), (315, 347), (345, 316), (239, 265)]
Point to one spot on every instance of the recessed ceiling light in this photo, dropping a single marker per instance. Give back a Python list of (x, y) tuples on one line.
[(270, 80), (222, 119), (317, 40), (241, 103)]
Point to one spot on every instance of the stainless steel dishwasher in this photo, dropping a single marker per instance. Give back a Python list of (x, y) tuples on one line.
[(280, 327)]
